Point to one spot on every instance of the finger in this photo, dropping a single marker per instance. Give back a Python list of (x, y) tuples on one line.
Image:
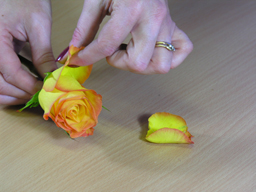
[(88, 24), (8, 100), (161, 60), (39, 35), (140, 49), (87, 27), (109, 39), (10, 90), (183, 47), (11, 69)]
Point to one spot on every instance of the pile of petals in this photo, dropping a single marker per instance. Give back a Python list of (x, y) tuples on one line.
[(67, 102), (168, 128)]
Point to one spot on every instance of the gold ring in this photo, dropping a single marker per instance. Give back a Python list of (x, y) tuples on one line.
[(166, 45)]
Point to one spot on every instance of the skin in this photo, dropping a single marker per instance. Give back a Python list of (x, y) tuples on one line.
[(23, 21), (147, 21)]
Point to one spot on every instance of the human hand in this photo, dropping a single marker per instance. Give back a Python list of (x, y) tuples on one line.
[(148, 21), (21, 21)]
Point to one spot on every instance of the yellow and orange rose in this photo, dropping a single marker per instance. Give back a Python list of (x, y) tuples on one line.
[(70, 105)]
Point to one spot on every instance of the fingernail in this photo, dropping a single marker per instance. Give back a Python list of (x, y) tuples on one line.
[(63, 53)]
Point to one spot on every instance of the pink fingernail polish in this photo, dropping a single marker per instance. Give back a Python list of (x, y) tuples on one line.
[(63, 53)]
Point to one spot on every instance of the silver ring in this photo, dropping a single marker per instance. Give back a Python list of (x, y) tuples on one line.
[(166, 45)]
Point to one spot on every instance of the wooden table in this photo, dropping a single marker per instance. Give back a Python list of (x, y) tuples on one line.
[(214, 90)]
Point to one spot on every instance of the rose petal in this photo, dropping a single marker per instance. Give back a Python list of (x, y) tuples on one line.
[(95, 100), (79, 127), (189, 135), (47, 99), (68, 84), (163, 119), (84, 133), (74, 110), (78, 73), (73, 50), (168, 135), (51, 81)]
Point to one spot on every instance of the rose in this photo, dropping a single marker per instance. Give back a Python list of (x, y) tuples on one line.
[(168, 128), (70, 105)]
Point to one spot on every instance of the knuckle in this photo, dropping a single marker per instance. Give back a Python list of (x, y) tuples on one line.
[(189, 47), (7, 77), (41, 21), (160, 12), (161, 66), (162, 69), (136, 7), (107, 47), (44, 58), (78, 34), (137, 66), (5, 38)]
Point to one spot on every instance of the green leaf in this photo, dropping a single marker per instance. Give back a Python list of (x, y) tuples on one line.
[(34, 102)]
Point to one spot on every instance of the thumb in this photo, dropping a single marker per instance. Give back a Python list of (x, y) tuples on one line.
[(40, 42)]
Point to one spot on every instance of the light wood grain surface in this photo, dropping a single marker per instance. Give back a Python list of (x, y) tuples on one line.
[(214, 90)]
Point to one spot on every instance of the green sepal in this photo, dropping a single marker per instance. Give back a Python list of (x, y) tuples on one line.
[(105, 108), (47, 75), (69, 135), (34, 102)]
